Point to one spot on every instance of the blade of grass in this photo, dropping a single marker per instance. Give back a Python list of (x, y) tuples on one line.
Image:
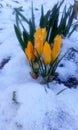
[(61, 91)]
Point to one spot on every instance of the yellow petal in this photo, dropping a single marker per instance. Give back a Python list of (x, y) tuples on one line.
[(56, 47), (29, 51), (39, 38), (38, 46), (28, 54), (46, 53), (43, 33), (40, 33)]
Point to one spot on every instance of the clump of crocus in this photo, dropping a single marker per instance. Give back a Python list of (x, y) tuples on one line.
[(41, 46), (41, 56)]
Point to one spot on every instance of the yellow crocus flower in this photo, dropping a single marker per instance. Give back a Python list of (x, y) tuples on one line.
[(29, 51), (39, 38), (56, 46), (46, 53)]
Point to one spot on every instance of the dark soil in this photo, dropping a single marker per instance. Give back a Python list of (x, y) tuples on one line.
[(70, 82), (4, 62)]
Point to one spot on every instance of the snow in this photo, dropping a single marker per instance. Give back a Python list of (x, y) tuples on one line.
[(65, 73), (37, 107)]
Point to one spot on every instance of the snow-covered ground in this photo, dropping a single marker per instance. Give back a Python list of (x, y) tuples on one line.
[(24, 102)]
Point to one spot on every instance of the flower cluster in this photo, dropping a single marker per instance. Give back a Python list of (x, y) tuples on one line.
[(42, 45), (41, 56)]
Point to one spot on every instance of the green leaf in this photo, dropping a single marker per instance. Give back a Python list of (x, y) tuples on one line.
[(20, 14), (33, 19), (69, 20), (32, 27), (53, 23), (19, 37), (44, 18), (26, 37), (73, 29), (31, 31), (61, 3)]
